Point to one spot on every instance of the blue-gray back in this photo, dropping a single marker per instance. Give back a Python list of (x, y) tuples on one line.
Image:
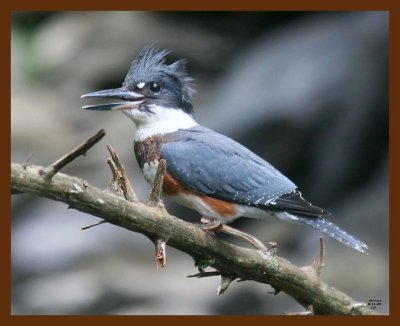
[(213, 164)]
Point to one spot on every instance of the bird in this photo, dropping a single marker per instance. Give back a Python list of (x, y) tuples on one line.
[(205, 171)]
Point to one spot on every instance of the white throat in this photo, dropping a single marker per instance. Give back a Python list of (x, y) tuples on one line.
[(162, 121)]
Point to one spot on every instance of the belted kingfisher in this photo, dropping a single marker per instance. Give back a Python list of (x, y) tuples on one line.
[(206, 171)]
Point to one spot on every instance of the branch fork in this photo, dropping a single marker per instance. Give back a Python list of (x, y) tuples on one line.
[(155, 199), (119, 176)]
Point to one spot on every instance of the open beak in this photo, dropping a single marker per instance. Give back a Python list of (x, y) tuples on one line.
[(131, 100)]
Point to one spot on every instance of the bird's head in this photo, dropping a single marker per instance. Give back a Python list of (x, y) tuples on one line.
[(152, 89)]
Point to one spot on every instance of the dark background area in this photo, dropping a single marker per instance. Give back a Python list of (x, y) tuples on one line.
[(307, 91)]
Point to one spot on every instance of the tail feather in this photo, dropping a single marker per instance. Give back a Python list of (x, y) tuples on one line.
[(326, 227), (334, 232)]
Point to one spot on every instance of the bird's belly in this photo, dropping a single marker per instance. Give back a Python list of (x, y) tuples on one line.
[(224, 211), (208, 207), (203, 204)]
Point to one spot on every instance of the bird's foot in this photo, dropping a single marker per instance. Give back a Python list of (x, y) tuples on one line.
[(217, 226), (210, 225), (247, 237)]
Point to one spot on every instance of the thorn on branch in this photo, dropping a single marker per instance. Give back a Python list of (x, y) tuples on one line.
[(49, 171), (156, 189), (357, 305), (202, 264), (318, 263), (315, 267), (226, 280), (272, 248), (92, 225), (161, 253), (205, 274), (119, 174), (224, 284), (271, 251)]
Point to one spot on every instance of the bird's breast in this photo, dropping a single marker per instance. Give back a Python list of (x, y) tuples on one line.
[(149, 170), (148, 151)]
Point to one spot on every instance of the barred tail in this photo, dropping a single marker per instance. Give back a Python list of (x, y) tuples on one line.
[(334, 232)]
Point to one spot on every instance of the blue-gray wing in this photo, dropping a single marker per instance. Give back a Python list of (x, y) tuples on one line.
[(210, 163)]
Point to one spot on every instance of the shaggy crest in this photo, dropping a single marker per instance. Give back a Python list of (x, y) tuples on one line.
[(151, 62)]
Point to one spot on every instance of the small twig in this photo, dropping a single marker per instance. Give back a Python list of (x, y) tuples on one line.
[(205, 274), (113, 168), (156, 189), (226, 280), (224, 284), (123, 180), (81, 149), (114, 186), (92, 225), (26, 162)]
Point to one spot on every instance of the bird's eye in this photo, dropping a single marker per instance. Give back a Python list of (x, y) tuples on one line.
[(154, 87)]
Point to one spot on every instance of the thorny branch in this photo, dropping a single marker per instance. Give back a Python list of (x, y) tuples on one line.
[(230, 262)]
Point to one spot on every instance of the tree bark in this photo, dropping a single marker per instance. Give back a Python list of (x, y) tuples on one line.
[(229, 260)]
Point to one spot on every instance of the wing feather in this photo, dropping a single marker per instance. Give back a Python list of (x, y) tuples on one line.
[(210, 163)]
